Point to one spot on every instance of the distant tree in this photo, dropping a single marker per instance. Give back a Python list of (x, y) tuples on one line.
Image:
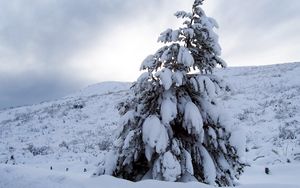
[(172, 128)]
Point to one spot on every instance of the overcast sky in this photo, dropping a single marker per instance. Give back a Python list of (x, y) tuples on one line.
[(50, 48)]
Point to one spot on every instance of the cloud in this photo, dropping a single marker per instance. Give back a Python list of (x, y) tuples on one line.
[(47, 33), (53, 30), (50, 48), (258, 32), (39, 40), (29, 88)]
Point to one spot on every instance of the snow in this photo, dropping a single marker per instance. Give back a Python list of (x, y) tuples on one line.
[(183, 14), (144, 76), (184, 57), (188, 32), (281, 175), (164, 36), (74, 132), (149, 62), (175, 35), (187, 177), (171, 167), (155, 134), (177, 78), (165, 76), (210, 87), (74, 129), (17, 176), (128, 139), (265, 101), (204, 83), (128, 116), (238, 140), (193, 122), (209, 24), (188, 162), (166, 56), (169, 36), (168, 109), (208, 167), (103, 88), (175, 147), (107, 163)]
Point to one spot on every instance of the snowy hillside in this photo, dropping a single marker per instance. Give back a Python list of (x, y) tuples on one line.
[(266, 102), (72, 133), (75, 128)]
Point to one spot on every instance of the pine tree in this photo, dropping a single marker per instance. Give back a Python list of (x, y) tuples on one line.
[(172, 128)]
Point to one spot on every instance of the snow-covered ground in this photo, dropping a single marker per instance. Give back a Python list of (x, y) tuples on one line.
[(70, 134), (266, 102), (71, 130), (24, 176)]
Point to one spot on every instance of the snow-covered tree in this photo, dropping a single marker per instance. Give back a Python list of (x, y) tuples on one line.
[(172, 129)]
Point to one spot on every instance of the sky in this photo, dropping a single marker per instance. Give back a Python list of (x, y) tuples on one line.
[(51, 48)]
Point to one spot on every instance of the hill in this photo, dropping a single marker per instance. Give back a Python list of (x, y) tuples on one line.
[(75, 131)]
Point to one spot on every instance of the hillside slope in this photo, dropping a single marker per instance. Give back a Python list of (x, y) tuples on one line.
[(265, 101), (74, 131)]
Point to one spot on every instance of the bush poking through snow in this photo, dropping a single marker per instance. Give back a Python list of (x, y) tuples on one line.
[(267, 170), (173, 129), (43, 150)]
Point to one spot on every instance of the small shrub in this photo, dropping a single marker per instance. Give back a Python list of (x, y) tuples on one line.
[(104, 145), (267, 170), (63, 144), (44, 150), (290, 130)]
